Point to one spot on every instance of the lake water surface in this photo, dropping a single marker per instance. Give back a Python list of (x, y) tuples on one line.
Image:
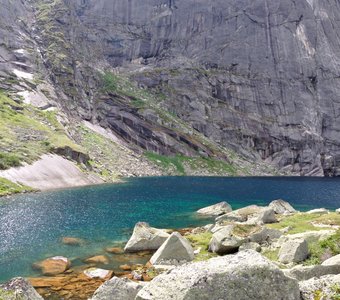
[(32, 225)]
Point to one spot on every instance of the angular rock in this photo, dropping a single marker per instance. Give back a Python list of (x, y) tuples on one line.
[(249, 210), (118, 289), (265, 216), (246, 275), (231, 217), (18, 289), (175, 250), (265, 234), (53, 266), (322, 287), (318, 211), (145, 237), (281, 207), (216, 209), (306, 272), (250, 246), (334, 260), (224, 241), (293, 251)]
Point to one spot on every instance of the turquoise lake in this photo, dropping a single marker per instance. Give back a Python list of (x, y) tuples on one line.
[(32, 225)]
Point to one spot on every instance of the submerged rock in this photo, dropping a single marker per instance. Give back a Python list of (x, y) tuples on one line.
[(18, 289), (246, 275), (216, 209), (325, 288), (118, 289), (293, 251), (145, 237), (98, 259), (281, 207), (72, 241), (114, 250), (53, 266), (175, 250)]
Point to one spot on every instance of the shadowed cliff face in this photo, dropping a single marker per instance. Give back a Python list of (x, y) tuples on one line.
[(260, 77)]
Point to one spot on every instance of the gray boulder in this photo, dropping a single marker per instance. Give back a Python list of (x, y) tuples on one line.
[(281, 207), (293, 251), (265, 234), (216, 209), (334, 260), (224, 241), (322, 287), (18, 289), (309, 236), (265, 216), (250, 246), (306, 272), (231, 217), (145, 237), (246, 275), (118, 289), (175, 250), (318, 211)]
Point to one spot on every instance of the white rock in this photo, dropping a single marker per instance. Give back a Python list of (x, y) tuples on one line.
[(309, 236), (97, 273), (244, 276), (145, 237), (318, 211), (334, 260), (306, 272), (231, 217), (175, 250), (281, 207), (295, 250), (265, 216), (18, 289), (216, 209), (337, 210)]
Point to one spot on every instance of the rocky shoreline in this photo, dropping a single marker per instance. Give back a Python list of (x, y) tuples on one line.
[(254, 252)]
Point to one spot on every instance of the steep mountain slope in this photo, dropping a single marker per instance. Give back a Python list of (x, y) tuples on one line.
[(214, 81)]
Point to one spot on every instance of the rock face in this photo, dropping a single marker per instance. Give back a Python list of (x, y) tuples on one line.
[(295, 251), (324, 287), (216, 209), (117, 289), (281, 207), (53, 266), (230, 277), (224, 241), (18, 289), (273, 100), (175, 250), (145, 237)]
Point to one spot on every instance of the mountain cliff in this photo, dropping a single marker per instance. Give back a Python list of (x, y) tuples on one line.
[(248, 87)]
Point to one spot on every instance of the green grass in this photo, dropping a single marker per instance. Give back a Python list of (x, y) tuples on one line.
[(245, 230), (27, 133), (302, 222), (321, 250), (7, 187), (272, 255), (183, 165), (201, 240)]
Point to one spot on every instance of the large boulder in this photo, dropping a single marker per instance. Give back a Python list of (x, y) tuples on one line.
[(145, 237), (306, 272), (216, 209), (246, 275), (175, 250), (264, 234), (293, 251), (18, 289), (250, 246), (324, 288), (265, 216), (53, 266), (118, 289), (224, 241), (233, 216), (281, 207)]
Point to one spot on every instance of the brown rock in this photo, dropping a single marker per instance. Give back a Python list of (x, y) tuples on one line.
[(72, 241), (53, 266), (114, 250), (99, 259), (125, 267)]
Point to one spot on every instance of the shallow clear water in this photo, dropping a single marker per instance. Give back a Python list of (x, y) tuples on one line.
[(32, 225)]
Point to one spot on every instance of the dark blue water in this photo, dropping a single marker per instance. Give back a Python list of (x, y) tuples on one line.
[(32, 225)]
